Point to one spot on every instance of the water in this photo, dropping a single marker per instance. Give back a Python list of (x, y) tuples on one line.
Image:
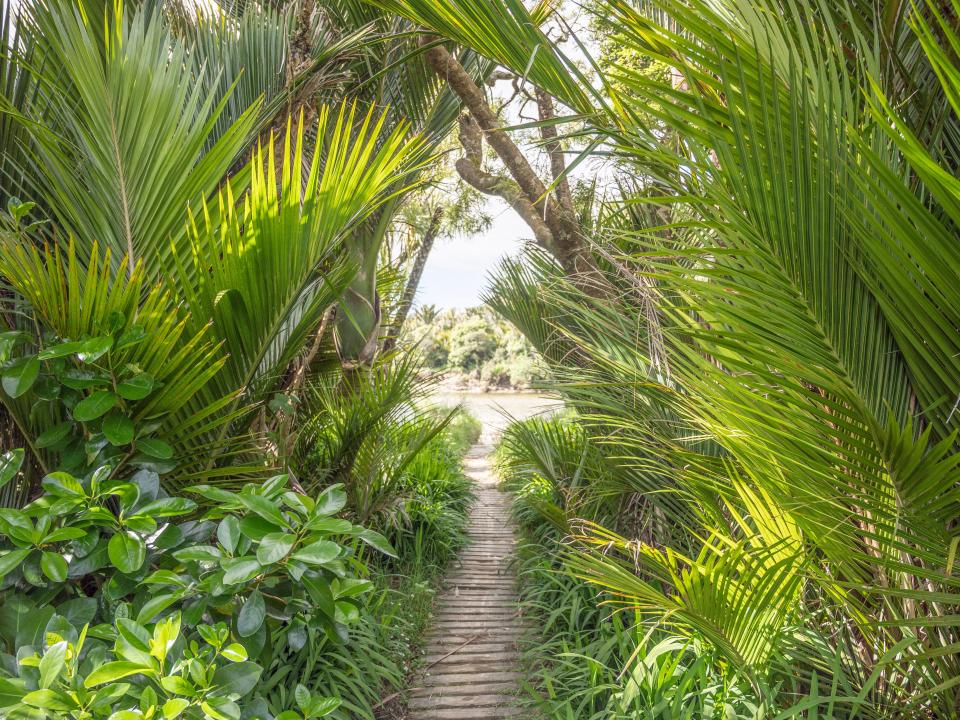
[(496, 410)]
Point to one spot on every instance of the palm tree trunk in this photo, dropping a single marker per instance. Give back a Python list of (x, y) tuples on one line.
[(413, 281)]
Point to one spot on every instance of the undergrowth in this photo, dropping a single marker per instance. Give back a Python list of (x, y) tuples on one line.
[(588, 658), (370, 670), (464, 431)]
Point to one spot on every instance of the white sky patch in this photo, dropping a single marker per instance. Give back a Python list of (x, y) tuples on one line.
[(457, 270)]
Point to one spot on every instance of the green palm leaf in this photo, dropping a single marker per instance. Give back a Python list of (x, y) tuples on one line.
[(124, 143), (264, 271)]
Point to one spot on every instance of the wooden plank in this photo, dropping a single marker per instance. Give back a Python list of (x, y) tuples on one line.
[(471, 658)]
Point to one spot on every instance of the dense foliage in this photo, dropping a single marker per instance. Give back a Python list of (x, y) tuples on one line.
[(220, 493), (766, 372), (475, 348), (168, 348)]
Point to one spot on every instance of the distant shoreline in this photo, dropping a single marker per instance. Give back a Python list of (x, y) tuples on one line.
[(463, 384)]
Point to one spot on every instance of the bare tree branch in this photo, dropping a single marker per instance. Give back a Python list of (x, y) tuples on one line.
[(470, 168), (558, 163)]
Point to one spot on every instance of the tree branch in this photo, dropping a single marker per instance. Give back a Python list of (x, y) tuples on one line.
[(470, 168), (558, 163), (565, 240)]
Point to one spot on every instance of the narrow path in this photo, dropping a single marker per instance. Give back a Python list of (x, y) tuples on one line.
[(470, 668)]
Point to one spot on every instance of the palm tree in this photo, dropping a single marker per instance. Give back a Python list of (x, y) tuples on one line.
[(129, 157), (780, 370)]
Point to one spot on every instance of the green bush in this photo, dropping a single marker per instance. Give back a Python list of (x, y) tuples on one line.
[(436, 512), (402, 470), (463, 431), (263, 564), (477, 343), (433, 497), (590, 659), (126, 671)]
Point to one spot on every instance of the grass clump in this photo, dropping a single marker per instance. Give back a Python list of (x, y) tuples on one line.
[(587, 657)]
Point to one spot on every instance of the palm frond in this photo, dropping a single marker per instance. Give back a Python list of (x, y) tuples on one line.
[(266, 270), (124, 141)]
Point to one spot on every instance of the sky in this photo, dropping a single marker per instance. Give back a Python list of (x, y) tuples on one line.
[(458, 268)]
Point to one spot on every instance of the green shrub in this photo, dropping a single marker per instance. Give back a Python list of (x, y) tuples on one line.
[(599, 662), (463, 431), (402, 468), (478, 343), (265, 564), (126, 671), (588, 657), (439, 497), (272, 566)]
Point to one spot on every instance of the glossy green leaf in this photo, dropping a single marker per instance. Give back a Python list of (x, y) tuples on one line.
[(331, 501), (174, 707), (53, 566), (78, 379), (95, 348), (10, 693), (237, 678), (21, 377), (64, 534), (302, 697), (274, 547), (329, 525), (317, 553), (12, 559), (155, 448), (52, 663), (114, 671), (54, 434), (50, 700), (240, 571), (10, 463), (156, 605), (235, 652), (109, 694), (118, 429), (168, 507), (178, 684), (323, 706), (94, 406), (60, 350), (136, 387), (127, 551), (264, 508), (378, 542), (201, 553), (62, 484), (228, 533), (255, 527), (220, 708), (251, 615)]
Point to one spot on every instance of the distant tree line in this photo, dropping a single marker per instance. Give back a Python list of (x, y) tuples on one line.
[(474, 346)]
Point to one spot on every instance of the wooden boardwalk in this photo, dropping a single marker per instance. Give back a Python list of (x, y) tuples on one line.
[(470, 668)]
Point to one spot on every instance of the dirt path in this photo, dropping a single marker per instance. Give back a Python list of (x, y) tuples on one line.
[(470, 666)]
